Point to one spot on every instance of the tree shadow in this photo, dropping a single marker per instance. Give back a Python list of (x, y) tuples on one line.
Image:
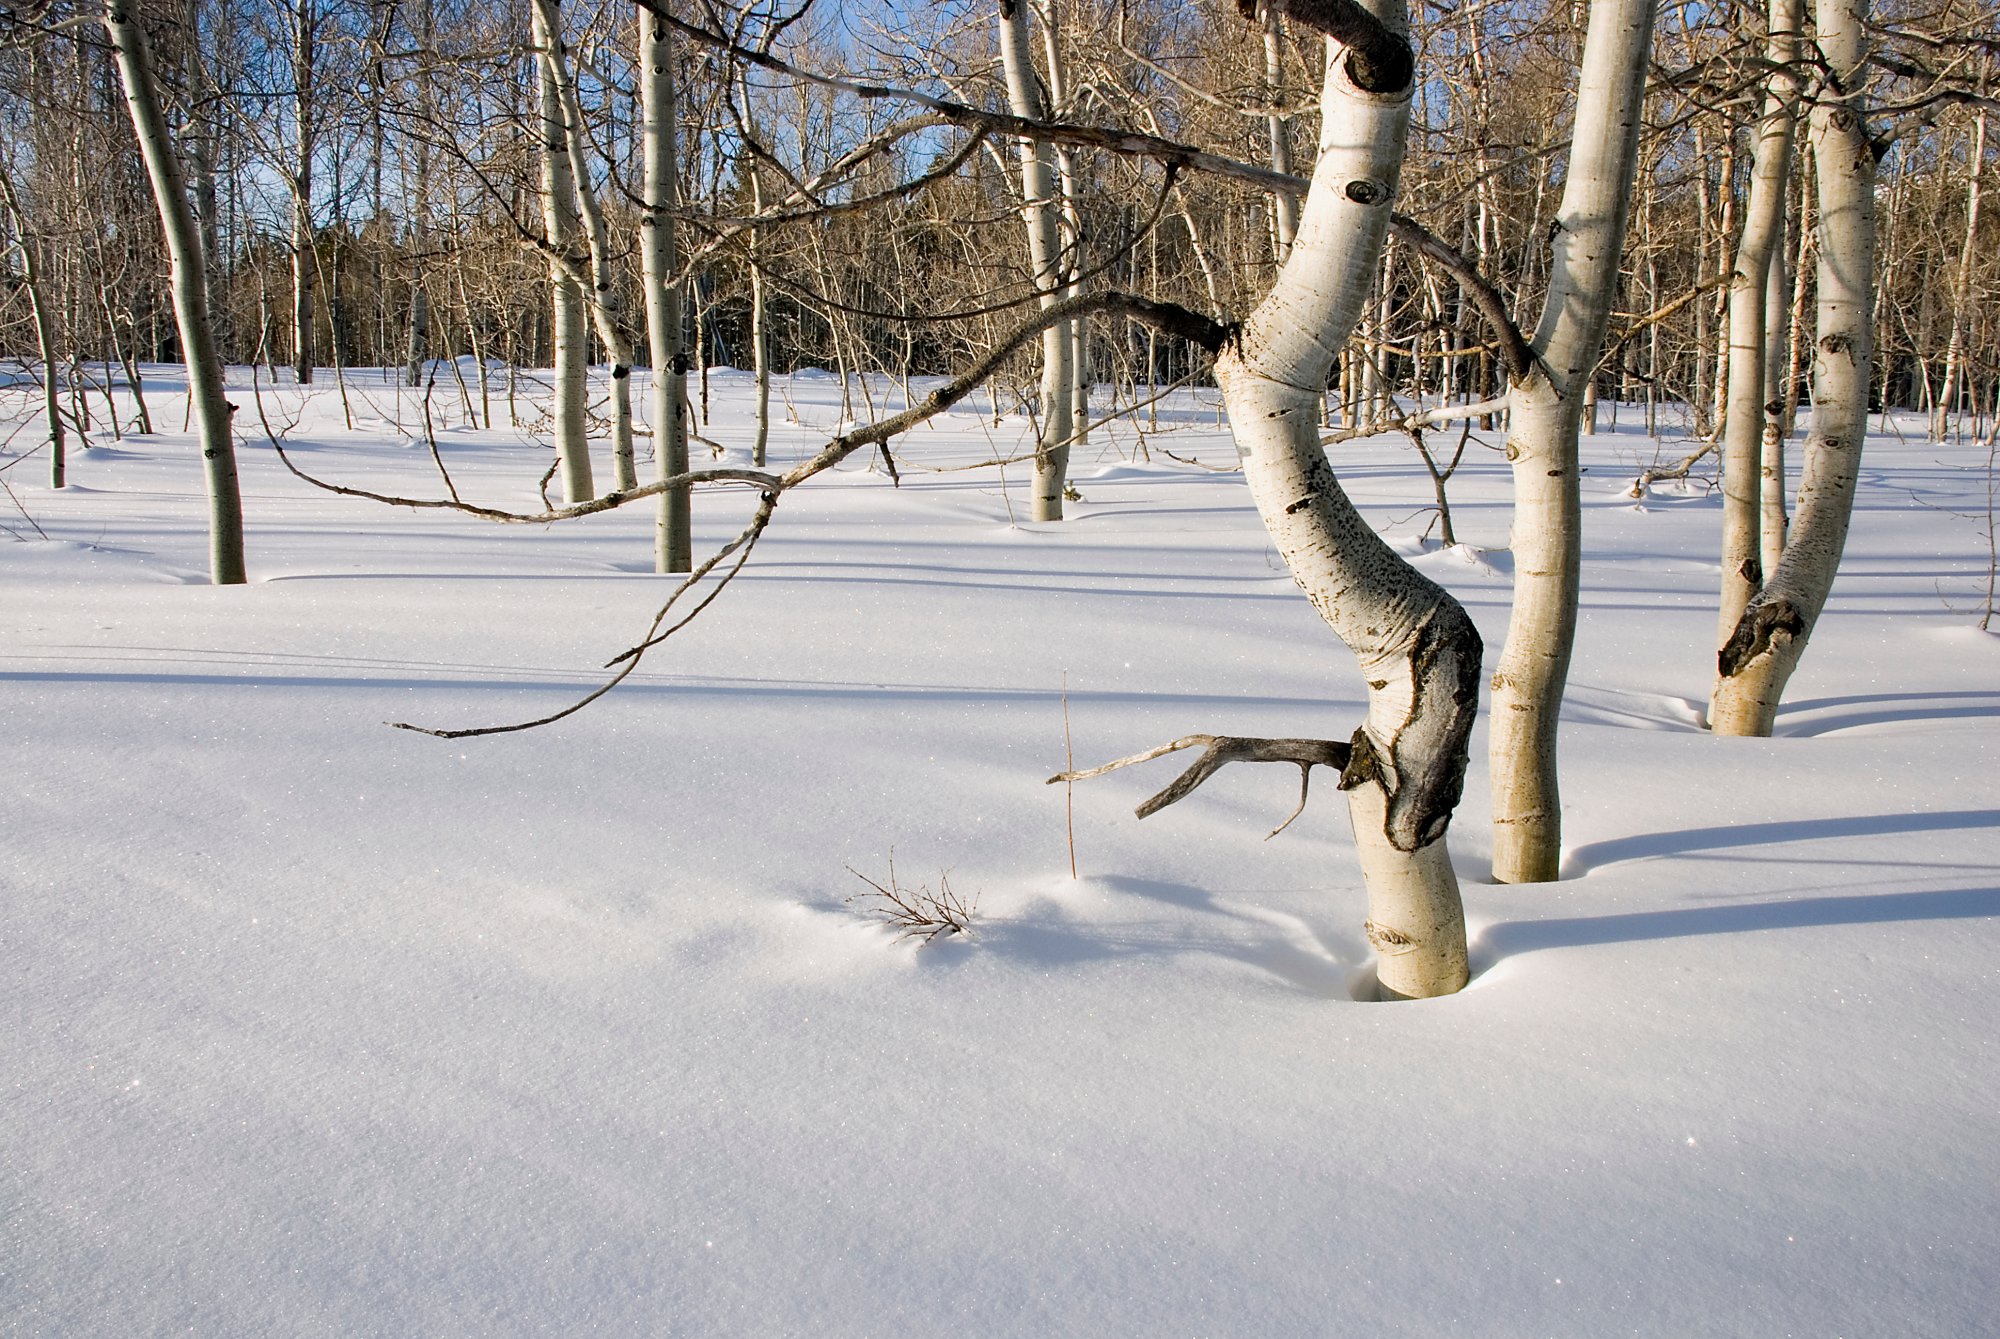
[(1300, 956), (1684, 841), (1510, 938), (1896, 708)]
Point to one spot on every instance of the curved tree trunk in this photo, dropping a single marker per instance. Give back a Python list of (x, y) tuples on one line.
[(190, 283), (1418, 650), (1547, 405), (1765, 647)]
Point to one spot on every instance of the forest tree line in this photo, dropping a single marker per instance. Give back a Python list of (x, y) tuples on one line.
[(366, 180)]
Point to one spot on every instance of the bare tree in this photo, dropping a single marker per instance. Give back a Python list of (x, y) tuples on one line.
[(190, 288), (1768, 640)]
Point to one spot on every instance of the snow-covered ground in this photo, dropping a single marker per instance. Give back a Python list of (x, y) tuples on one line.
[(316, 1027)]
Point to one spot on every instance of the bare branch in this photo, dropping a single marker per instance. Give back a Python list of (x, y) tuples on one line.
[(1220, 750), (1491, 302), (1113, 140)]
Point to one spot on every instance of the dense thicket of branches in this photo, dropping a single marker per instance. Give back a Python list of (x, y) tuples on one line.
[(404, 135)]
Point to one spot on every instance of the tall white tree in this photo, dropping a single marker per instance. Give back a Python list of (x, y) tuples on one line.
[(1750, 416), (560, 221), (672, 549), (212, 409), (1041, 211), (1757, 660), (1547, 402)]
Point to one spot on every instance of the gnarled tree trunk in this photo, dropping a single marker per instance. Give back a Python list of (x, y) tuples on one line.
[(1419, 652)]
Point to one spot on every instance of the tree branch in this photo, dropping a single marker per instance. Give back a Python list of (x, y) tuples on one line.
[(1491, 302), (1220, 750)]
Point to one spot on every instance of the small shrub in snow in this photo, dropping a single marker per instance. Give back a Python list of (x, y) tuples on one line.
[(915, 913)]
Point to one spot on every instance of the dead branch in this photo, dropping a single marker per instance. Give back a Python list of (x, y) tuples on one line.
[(629, 659), (1220, 750), (1173, 319), (1660, 473)]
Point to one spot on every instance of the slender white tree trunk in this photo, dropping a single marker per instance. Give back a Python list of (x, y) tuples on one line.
[(1777, 399), (45, 340), (1746, 421), (1278, 129), (1954, 352), (1547, 406), (673, 546), (1418, 650), (606, 307), (1765, 648), (1040, 210), (561, 223), (760, 343), (190, 284), (304, 258)]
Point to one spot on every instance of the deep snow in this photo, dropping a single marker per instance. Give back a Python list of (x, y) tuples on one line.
[(318, 1027)]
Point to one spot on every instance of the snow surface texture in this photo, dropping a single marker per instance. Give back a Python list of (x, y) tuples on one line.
[(315, 1027)]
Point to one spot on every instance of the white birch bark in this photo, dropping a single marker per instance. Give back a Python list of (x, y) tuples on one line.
[(45, 341), (304, 259), (606, 309), (1765, 648), (559, 220), (1954, 351), (1547, 405), (1746, 420), (1418, 650), (1040, 211), (1777, 414), (660, 266), (212, 409), (760, 342), (1277, 127)]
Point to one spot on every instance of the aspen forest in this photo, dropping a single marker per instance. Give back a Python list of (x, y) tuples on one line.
[(596, 595)]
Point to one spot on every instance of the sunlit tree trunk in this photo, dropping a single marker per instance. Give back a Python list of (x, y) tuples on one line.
[(1768, 641), (190, 285), (1040, 210), (1746, 420), (1547, 406), (304, 261), (45, 341), (606, 307), (1418, 650), (1954, 353), (561, 223), (672, 548), (1277, 128), (760, 342), (1777, 402)]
